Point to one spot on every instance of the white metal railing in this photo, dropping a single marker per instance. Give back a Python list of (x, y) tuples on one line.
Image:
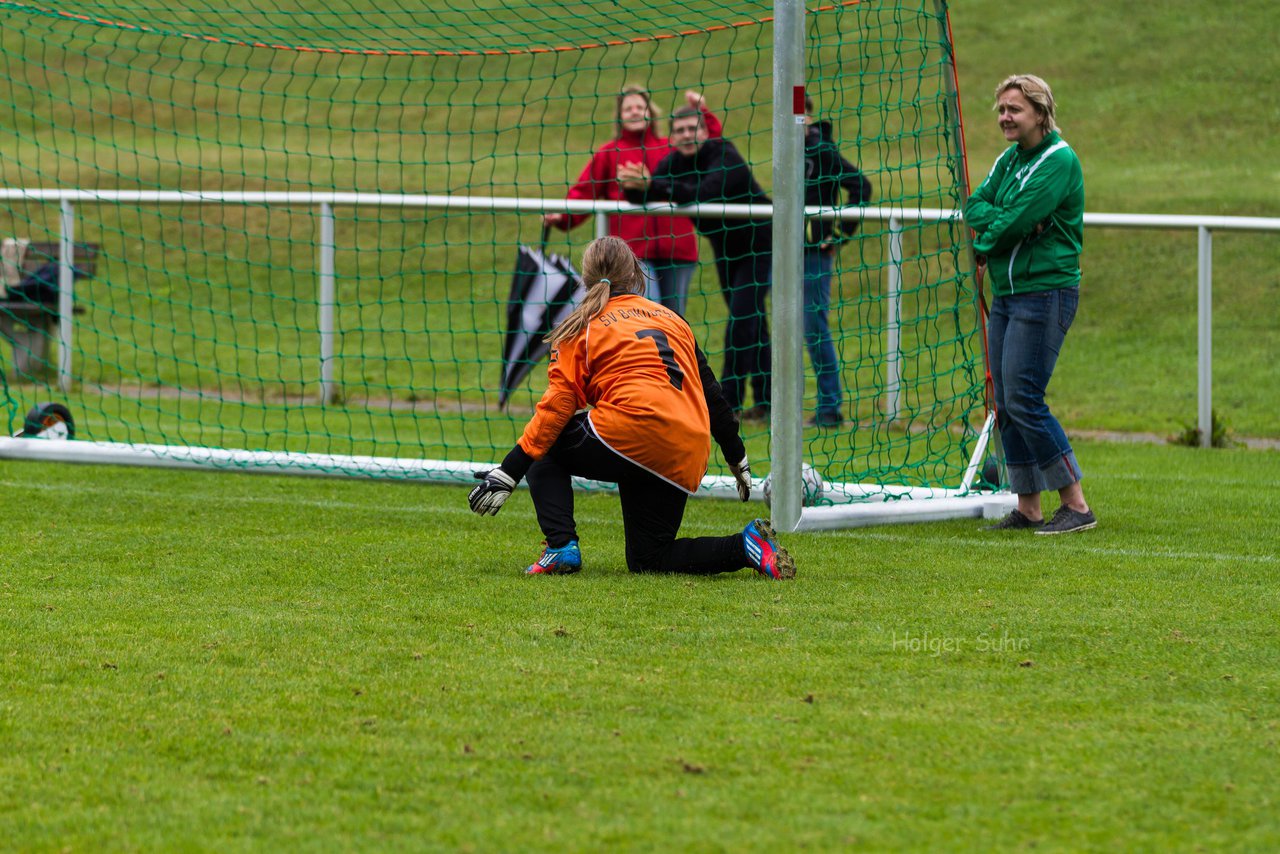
[(325, 202)]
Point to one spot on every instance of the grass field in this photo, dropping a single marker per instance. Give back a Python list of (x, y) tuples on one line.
[(224, 662), (221, 662)]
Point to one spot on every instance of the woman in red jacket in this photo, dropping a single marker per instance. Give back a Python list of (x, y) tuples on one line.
[(666, 245)]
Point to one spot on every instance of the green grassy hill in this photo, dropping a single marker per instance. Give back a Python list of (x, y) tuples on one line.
[(1171, 106)]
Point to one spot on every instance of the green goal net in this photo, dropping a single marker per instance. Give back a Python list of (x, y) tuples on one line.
[(285, 236)]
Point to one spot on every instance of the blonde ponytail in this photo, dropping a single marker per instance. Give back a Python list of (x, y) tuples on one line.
[(609, 269)]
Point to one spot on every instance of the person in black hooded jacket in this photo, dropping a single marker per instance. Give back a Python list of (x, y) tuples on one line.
[(702, 170), (826, 175)]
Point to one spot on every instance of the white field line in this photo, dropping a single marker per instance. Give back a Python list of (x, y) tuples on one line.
[(1067, 541), (459, 508), (230, 500), (1185, 480)]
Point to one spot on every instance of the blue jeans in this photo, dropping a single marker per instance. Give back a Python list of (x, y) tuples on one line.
[(1024, 334), (817, 329), (668, 282)]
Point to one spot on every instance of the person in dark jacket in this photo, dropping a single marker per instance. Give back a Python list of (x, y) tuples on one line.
[(826, 174), (703, 170)]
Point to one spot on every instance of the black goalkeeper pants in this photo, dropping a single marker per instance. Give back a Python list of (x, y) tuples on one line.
[(652, 509)]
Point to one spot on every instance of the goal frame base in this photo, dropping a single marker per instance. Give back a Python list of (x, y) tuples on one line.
[(857, 505)]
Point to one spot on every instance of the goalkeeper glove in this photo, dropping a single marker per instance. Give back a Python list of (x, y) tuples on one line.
[(488, 496), (742, 477)]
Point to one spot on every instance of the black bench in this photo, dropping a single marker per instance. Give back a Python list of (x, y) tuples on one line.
[(28, 324)]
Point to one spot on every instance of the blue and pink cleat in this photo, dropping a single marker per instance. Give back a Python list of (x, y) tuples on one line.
[(562, 561), (765, 554)]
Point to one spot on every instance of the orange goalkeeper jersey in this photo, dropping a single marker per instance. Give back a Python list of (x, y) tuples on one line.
[(636, 366)]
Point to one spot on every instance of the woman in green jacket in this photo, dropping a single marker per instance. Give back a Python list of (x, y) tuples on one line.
[(1029, 219)]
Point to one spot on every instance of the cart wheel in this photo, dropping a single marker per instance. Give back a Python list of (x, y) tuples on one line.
[(49, 421)]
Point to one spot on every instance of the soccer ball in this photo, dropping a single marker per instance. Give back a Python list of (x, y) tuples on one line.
[(49, 421), (809, 477)]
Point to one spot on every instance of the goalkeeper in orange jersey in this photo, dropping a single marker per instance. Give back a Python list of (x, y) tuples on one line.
[(630, 400)]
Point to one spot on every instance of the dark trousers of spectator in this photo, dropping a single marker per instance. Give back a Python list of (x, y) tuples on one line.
[(744, 282), (652, 508)]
